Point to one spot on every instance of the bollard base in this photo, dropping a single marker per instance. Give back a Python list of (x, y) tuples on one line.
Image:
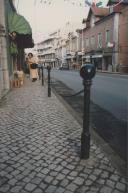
[(85, 145)]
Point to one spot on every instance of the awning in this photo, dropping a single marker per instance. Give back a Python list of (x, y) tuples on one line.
[(18, 24)]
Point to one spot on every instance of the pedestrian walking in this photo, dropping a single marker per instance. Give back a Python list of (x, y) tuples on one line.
[(32, 66)]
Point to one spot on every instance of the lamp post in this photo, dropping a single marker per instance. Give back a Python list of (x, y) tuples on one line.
[(87, 72), (49, 85)]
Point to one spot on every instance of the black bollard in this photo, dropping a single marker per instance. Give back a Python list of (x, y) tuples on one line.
[(49, 85), (87, 72), (42, 75)]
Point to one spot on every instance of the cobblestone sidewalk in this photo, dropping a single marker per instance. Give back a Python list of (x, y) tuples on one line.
[(40, 148)]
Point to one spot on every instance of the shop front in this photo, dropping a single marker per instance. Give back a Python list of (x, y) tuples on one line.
[(19, 38)]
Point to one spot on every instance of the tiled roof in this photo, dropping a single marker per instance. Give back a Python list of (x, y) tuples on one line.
[(99, 11)]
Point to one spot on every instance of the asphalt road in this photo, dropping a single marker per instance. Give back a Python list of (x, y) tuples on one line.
[(109, 91), (108, 107)]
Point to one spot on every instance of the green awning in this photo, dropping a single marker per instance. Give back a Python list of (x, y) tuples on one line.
[(17, 23)]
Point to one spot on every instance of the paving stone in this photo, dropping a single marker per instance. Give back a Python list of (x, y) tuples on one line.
[(72, 187), (114, 177), (26, 179), (65, 171), (59, 190), (88, 182), (38, 190), (30, 187), (51, 189), (110, 183), (45, 171), (116, 191), (70, 167), (16, 189), (104, 174), (60, 176), (58, 168), (83, 189), (48, 179), (73, 173), (55, 182), (43, 185), (64, 183), (92, 177), (53, 173), (79, 181), (97, 171), (36, 180), (120, 186), (40, 175), (71, 178), (106, 189), (88, 171), (3, 180), (12, 181), (4, 188)]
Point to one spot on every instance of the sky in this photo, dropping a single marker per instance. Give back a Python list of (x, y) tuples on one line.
[(45, 18)]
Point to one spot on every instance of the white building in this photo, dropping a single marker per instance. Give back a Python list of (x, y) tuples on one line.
[(53, 50)]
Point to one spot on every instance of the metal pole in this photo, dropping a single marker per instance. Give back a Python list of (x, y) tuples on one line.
[(87, 72), (85, 136), (42, 76), (49, 86)]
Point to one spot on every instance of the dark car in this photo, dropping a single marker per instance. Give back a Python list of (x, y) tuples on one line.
[(64, 66)]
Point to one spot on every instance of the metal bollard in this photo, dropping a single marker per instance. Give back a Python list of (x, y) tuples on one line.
[(87, 72), (49, 86), (42, 75)]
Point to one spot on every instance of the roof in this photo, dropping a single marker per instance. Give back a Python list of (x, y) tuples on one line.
[(99, 11), (111, 2)]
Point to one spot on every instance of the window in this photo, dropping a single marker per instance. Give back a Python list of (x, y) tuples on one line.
[(92, 40), (87, 42), (99, 40), (107, 36)]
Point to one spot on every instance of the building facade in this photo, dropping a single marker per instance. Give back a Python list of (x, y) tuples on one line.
[(15, 35), (103, 40), (46, 52), (4, 57)]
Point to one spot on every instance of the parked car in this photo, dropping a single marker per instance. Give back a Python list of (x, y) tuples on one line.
[(64, 66)]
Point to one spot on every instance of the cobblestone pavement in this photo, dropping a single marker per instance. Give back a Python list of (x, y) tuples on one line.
[(40, 147)]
